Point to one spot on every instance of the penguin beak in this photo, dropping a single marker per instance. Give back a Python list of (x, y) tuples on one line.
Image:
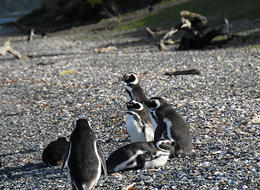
[(124, 77), (121, 79)]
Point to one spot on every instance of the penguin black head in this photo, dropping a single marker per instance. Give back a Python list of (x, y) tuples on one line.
[(154, 103), (130, 78), (164, 145), (134, 105), (81, 123)]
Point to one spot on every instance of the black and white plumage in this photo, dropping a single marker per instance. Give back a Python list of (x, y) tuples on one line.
[(139, 155), (170, 124), (84, 159), (54, 153), (133, 88), (138, 122)]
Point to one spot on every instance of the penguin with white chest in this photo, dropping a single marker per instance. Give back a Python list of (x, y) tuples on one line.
[(170, 124), (84, 159), (138, 122), (139, 155), (133, 89)]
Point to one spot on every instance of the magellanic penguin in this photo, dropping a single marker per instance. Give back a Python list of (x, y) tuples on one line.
[(170, 124), (132, 88), (139, 155), (84, 160), (54, 153), (138, 122)]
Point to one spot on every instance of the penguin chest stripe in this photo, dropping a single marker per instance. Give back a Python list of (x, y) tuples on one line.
[(168, 124), (126, 164)]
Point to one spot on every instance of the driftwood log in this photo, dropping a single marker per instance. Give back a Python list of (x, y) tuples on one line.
[(6, 48), (184, 72)]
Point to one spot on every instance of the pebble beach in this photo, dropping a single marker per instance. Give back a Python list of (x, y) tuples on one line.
[(62, 78)]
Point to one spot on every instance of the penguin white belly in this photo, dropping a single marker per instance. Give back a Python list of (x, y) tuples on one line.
[(125, 164), (149, 133), (134, 130), (160, 160), (153, 118), (168, 124)]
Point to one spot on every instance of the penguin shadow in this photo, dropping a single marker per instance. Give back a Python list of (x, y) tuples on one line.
[(28, 151), (32, 170), (27, 170)]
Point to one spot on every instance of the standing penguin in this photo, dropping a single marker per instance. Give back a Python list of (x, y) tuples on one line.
[(168, 122), (139, 155), (138, 122), (84, 160), (133, 89)]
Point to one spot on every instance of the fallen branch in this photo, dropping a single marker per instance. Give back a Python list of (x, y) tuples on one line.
[(162, 46), (105, 49), (150, 31), (184, 72), (6, 48)]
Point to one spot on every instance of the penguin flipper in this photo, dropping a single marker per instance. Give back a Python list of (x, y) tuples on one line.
[(159, 131), (140, 160), (103, 161), (65, 159)]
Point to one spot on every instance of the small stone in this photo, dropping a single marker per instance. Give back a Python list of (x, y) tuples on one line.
[(234, 183), (256, 120)]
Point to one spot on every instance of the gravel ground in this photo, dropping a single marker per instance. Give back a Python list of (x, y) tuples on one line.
[(38, 102)]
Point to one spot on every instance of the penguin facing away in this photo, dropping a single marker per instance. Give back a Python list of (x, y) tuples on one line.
[(170, 124), (138, 122), (84, 160), (132, 88), (139, 155), (54, 153)]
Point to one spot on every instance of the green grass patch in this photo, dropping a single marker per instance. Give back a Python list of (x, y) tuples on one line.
[(214, 10), (257, 46), (220, 38)]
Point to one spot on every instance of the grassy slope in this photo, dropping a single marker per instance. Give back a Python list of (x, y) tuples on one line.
[(214, 10)]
